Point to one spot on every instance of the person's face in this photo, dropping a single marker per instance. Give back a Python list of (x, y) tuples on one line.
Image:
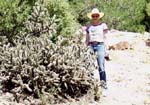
[(95, 17)]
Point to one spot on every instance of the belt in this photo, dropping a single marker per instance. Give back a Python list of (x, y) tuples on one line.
[(96, 43)]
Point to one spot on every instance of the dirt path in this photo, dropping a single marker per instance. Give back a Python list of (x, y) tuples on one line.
[(128, 79)]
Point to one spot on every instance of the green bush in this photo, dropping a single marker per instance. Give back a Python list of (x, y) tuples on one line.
[(124, 14), (67, 23), (148, 9), (13, 13)]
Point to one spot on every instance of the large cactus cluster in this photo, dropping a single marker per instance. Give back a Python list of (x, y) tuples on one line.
[(40, 21), (40, 67)]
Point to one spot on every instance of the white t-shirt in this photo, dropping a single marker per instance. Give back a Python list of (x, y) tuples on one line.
[(96, 33)]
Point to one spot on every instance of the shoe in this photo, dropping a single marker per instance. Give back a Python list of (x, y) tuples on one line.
[(103, 85), (107, 57)]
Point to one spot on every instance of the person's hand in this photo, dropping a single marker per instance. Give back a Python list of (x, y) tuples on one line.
[(87, 43)]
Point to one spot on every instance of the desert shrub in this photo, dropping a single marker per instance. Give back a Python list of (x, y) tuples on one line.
[(13, 13)]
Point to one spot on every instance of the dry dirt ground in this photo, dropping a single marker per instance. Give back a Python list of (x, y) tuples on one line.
[(128, 80), (128, 73)]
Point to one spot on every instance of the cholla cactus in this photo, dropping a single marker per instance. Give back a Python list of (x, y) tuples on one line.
[(3, 40), (41, 68), (39, 21)]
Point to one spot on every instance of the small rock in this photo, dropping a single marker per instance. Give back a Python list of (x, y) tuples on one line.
[(120, 46), (147, 42)]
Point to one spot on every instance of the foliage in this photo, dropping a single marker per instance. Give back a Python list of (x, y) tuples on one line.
[(147, 18), (61, 9), (35, 17), (81, 8), (13, 13), (119, 14), (148, 9)]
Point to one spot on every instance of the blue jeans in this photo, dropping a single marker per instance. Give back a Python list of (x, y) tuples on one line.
[(100, 50)]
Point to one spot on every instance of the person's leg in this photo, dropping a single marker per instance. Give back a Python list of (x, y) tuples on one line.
[(100, 51), (101, 61)]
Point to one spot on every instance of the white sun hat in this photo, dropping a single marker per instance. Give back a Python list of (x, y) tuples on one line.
[(95, 11)]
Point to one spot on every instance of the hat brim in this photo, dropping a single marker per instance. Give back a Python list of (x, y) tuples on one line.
[(89, 15)]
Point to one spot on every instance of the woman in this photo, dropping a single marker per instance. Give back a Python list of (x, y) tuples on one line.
[(95, 37)]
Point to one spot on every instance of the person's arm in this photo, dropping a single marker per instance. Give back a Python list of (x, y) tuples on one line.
[(87, 36), (105, 32), (87, 39)]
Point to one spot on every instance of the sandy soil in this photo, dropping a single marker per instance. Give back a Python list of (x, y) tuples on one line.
[(128, 80), (128, 74)]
